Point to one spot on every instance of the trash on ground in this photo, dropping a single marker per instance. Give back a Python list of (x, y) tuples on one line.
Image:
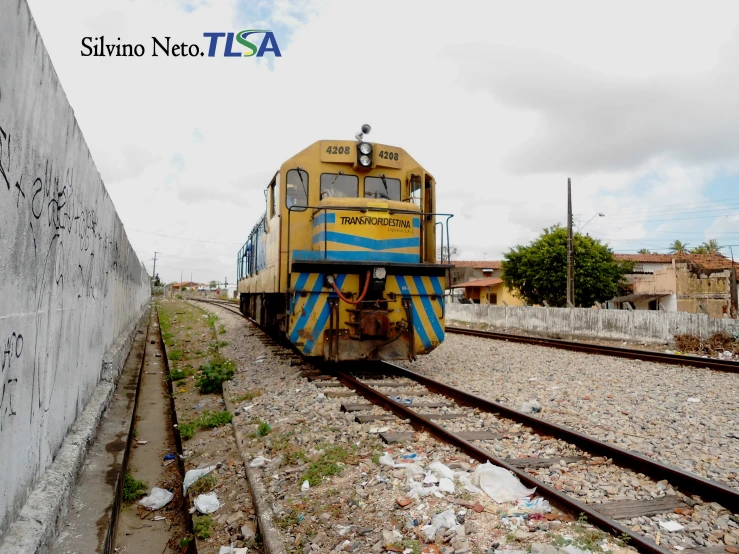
[(207, 503), (305, 486), (531, 406), (193, 475), (142, 442), (694, 400), (159, 518), (232, 550), (499, 484), (158, 498), (259, 461), (169, 457), (386, 460), (441, 470), (536, 505), (670, 525), (446, 485)]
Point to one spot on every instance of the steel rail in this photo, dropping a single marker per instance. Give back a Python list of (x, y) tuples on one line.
[(683, 480), (558, 498), (631, 353)]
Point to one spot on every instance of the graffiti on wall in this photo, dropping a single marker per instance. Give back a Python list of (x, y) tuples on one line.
[(74, 261)]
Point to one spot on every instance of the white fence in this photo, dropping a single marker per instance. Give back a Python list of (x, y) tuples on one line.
[(650, 326)]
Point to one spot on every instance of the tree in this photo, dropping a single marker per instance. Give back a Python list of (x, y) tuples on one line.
[(448, 253), (708, 247), (679, 248), (644, 251), (213, 284), (538, 272), (157, 282)]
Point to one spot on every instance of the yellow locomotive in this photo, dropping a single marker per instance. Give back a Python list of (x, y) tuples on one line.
[(344, 261)]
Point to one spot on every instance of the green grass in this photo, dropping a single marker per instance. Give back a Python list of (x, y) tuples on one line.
[(248, 395), (214, 374), (208, 420), (330, 462), (179, 374), (201, 526), (133, 489), (174, 354), (187, 430), (264, 429), (204, 484)]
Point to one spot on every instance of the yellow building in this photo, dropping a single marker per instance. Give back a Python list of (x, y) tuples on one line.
[(481, 283)]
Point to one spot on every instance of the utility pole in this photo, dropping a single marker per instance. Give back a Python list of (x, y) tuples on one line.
[(570, 268), (155, 264)]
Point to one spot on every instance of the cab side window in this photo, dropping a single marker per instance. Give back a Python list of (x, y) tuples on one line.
[(296, 196)]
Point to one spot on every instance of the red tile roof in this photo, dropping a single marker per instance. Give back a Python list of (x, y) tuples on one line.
[(707, 261), (479, 283), (484, 264)]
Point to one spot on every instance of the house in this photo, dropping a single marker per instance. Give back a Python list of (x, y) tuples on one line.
[(480, 282), (694, 283)]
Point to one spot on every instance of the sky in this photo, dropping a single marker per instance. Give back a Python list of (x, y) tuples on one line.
[(501, 101)]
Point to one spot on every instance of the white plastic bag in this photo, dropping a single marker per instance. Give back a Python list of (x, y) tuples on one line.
[(446, 485), (429, 532), (417, 489), (444, 520), (499, 484), (305, 486), (441, 470), (430, 478), (158, 498), (232, 550), (193, 475), (413, 470), (259, 461), (207, 503), (464, 478), (386, 460)]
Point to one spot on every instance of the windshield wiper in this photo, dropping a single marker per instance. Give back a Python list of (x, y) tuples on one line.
[(305, 190)]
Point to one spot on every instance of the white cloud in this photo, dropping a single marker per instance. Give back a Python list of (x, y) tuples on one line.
[(500, 101)]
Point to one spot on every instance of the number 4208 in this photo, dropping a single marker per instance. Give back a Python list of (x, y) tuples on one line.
[(339, 150)]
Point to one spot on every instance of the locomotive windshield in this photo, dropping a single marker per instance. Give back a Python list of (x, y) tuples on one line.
[(382, 187), (297, 189), (338, 185)]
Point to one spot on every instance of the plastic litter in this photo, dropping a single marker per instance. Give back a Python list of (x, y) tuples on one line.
[(531, 406), (158, 498), (446, 485), (441, 470), (413, 470), (409, 456), (259, 461), (445, 520), (430, 478), (499, 484), (207, 503), (417, 489), (193, 475), (670, 525), (232, 550), (694, 400), (169, 457), (537, 505), (305, 486), (386, 460), (401, 400)]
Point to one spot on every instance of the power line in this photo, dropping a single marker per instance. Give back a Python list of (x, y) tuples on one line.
[(184, 238)]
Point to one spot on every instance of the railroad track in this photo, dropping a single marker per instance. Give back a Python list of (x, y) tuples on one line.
[(429, 407), (631, 353)]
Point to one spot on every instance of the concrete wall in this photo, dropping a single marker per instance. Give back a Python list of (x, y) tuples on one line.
[(70, 283), (651, 326)]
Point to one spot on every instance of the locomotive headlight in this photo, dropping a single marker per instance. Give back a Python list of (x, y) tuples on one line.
[(364, 154), (380, 272)]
